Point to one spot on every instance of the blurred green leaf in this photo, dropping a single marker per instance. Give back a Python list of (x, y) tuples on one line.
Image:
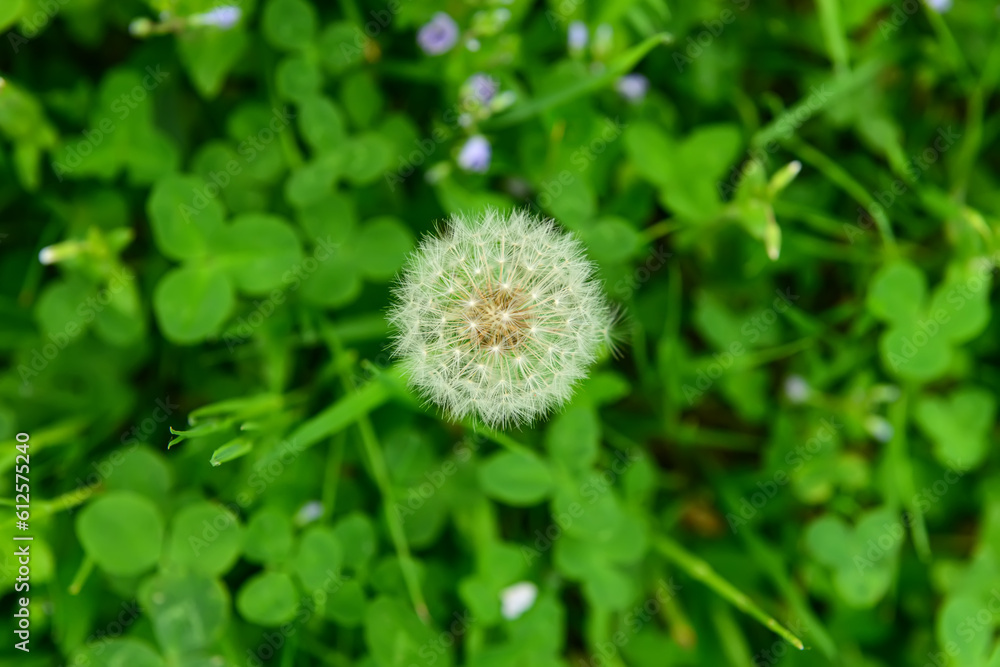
[(122, 531)]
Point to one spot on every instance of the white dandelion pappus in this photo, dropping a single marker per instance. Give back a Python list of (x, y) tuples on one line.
[(499, 317)]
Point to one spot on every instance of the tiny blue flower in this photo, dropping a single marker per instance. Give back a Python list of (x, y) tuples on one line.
[(221, 17), (439, 35), (309, 512), (633, 87), (578, 36), (482, 87), (475, 154), (940, 6)]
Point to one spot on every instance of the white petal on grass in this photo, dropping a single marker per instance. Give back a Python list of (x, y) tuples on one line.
[(797, 389), (47, 255), (517, 599)]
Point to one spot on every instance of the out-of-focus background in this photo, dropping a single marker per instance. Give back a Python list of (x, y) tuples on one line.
[(202, 210)]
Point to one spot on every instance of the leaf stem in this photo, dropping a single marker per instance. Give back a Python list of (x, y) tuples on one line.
[(86, 567)]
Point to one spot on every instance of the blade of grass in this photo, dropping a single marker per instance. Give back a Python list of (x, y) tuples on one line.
[(902, 466), (42, 438), (669, 351), (373, 450), (773, 565), (734, 643), (833, 34), (345, 411), (46, 508), (841, 177), (698, 569), (780, 129)]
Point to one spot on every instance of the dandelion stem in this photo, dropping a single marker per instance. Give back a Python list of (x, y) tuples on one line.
[(501, 439), (86, 567)]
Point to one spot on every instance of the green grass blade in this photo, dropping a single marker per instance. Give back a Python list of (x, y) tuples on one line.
[(698, 569)]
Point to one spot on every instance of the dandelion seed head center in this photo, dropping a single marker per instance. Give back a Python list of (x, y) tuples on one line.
[(503, 320)]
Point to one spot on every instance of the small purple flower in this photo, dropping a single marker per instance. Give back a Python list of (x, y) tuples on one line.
[(482, 87), (475, 154), (633, 87), (940, 6), (578, 36), (438, 35), (221, 17)]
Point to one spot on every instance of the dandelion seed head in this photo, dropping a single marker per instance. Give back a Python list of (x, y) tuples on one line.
[(510, 322)]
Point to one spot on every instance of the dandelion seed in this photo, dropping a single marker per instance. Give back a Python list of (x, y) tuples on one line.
[(508, 344), (517, 599)]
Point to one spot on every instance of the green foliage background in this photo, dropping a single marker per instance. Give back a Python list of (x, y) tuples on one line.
[(799, 220)]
